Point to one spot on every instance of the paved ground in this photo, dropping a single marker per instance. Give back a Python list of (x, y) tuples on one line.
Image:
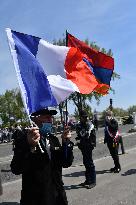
[(111, 189), (99, 152)]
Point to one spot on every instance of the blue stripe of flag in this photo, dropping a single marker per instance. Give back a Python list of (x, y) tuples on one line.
[(39, 94), (102, 74)]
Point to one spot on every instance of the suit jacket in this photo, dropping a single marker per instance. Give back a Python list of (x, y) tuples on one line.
[(41, 176), (111, 126), (86, 136)]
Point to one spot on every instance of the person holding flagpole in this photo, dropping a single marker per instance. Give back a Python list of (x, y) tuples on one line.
[(47, 74), (41, 172)]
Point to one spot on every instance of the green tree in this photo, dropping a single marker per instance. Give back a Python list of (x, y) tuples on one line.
[(119, 112), (87, 108), (11, 107), (131, 109)]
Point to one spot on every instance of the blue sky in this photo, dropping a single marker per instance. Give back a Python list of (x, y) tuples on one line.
[(110, 23)]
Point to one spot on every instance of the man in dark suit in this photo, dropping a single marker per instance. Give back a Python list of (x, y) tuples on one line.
[(41, 172), (112, 139)]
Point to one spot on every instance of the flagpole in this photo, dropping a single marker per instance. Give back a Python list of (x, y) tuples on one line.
[(66, 38), (66, 99), (66, 112), (66, 145)]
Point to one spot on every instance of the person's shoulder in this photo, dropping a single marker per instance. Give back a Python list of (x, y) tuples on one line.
[(53, 137), (113, 124), (20, 138), (18, 133), (113, 121)]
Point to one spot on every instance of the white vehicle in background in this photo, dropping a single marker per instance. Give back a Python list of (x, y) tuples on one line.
[(119, 120)]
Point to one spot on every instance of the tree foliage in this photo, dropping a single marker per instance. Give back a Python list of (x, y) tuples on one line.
[(131, 109), (120, 112), (11, 108)]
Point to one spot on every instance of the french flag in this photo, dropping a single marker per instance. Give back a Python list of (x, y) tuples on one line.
[(48, 74), (100, 64)]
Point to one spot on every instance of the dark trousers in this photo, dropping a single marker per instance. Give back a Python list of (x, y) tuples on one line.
[(1, 189), (90, 173), (114, 154), (122, 145)]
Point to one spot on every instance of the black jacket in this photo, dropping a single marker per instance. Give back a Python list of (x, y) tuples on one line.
[(111, 126), (86, 136), (41, 177)]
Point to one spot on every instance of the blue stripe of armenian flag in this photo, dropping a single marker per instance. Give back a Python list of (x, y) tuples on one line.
[(102, 65)]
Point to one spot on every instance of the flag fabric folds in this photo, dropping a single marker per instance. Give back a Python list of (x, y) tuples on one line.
[(48, 74), (100, 64)]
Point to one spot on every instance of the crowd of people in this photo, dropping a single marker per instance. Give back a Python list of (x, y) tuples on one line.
[(6, 135), (39, 156)]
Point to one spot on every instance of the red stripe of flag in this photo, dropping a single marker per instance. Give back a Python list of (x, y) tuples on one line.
[(98, 60)]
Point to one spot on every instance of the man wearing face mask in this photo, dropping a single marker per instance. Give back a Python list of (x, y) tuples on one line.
[(42, 172)]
